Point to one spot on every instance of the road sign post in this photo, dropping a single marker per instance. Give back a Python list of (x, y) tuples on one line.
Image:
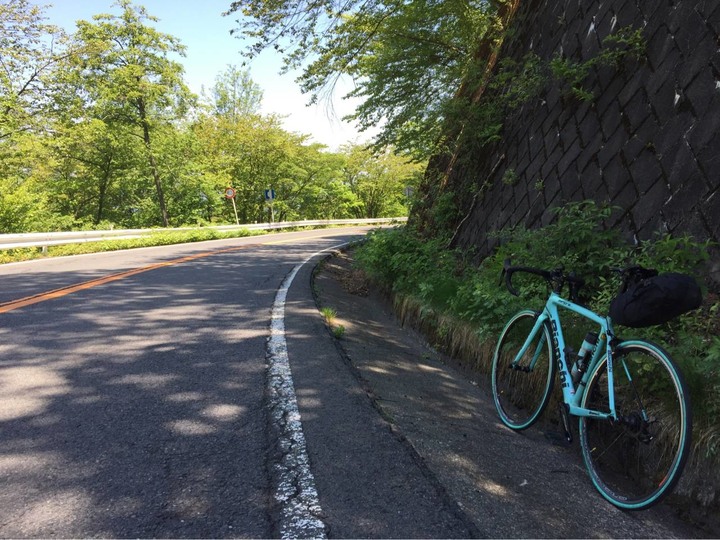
[(230, 194), (269, 198)]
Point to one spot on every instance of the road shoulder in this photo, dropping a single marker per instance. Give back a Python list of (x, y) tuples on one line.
[(369, 482)]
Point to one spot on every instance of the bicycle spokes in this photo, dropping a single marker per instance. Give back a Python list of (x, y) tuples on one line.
[(522, 373), (637, 458)]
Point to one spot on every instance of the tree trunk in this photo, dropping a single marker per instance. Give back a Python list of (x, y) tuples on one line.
[(104, 184), (153, 164), (486, 52)]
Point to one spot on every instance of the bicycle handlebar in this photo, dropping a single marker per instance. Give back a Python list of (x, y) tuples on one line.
[(555, 278)]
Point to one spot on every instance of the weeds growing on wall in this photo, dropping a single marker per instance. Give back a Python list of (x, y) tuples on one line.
[(445, 282), (515, 82)]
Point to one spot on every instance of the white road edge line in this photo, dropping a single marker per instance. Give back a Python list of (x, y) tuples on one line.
[(294, 487)]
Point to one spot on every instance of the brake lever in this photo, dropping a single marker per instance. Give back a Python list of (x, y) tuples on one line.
[(506, 275), (503, 272)]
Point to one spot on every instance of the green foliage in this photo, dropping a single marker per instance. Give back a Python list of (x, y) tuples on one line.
[(443, 215), (124, 67), (378, 182), (576, 240), (517, 82), (29, 50), (406, 59), (101, 128), (235, 94), (673, 254), (328, 314), (622, 44), (510, 177), (404, 263), (338, 331), (573, 74)]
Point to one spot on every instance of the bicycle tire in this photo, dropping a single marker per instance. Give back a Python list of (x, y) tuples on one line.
[(634, 462), (521, 394)]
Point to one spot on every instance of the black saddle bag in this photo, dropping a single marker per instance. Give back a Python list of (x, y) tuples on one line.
[(652, 300)]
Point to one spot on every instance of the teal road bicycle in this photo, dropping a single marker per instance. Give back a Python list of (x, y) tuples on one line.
[(629, 396)]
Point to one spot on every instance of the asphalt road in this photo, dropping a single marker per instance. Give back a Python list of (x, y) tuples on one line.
[(139, 406)]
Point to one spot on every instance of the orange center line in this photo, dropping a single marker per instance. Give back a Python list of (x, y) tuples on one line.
[(64, 291)]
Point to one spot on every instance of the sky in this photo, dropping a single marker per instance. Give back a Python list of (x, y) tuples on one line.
[(205, 33)]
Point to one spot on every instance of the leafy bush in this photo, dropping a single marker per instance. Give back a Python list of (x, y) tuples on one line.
[(575, 241), (404, 263)]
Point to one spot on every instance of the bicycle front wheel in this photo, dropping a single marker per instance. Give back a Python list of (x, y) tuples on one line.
[(522, 387), (636, 460)]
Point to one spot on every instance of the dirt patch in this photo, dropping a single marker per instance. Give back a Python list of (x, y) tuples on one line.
[(352, 280)]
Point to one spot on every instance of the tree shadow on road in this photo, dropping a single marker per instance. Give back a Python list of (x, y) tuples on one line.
[(135, 409)]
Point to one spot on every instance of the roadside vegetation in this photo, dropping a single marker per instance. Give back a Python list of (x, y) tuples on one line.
[(158, 238), (463, 307), (330, 315), (99, 129)]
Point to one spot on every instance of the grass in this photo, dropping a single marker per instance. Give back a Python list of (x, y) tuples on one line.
[(328, 314), (338, 331)]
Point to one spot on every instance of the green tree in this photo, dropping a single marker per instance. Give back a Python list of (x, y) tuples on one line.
[(380, 182), (407, 59), (29, 49), (311, 186), (125, 70), (94, 180), (235, 94), (194, 195), (24, 199), (249, 154)]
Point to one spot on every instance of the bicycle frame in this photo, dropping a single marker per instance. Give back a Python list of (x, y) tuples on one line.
[(572, 395)]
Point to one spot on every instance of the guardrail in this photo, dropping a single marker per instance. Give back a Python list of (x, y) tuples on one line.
[(43, 240)]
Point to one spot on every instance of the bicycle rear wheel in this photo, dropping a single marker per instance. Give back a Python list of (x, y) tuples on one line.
[(636, 460), (521, 390)]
